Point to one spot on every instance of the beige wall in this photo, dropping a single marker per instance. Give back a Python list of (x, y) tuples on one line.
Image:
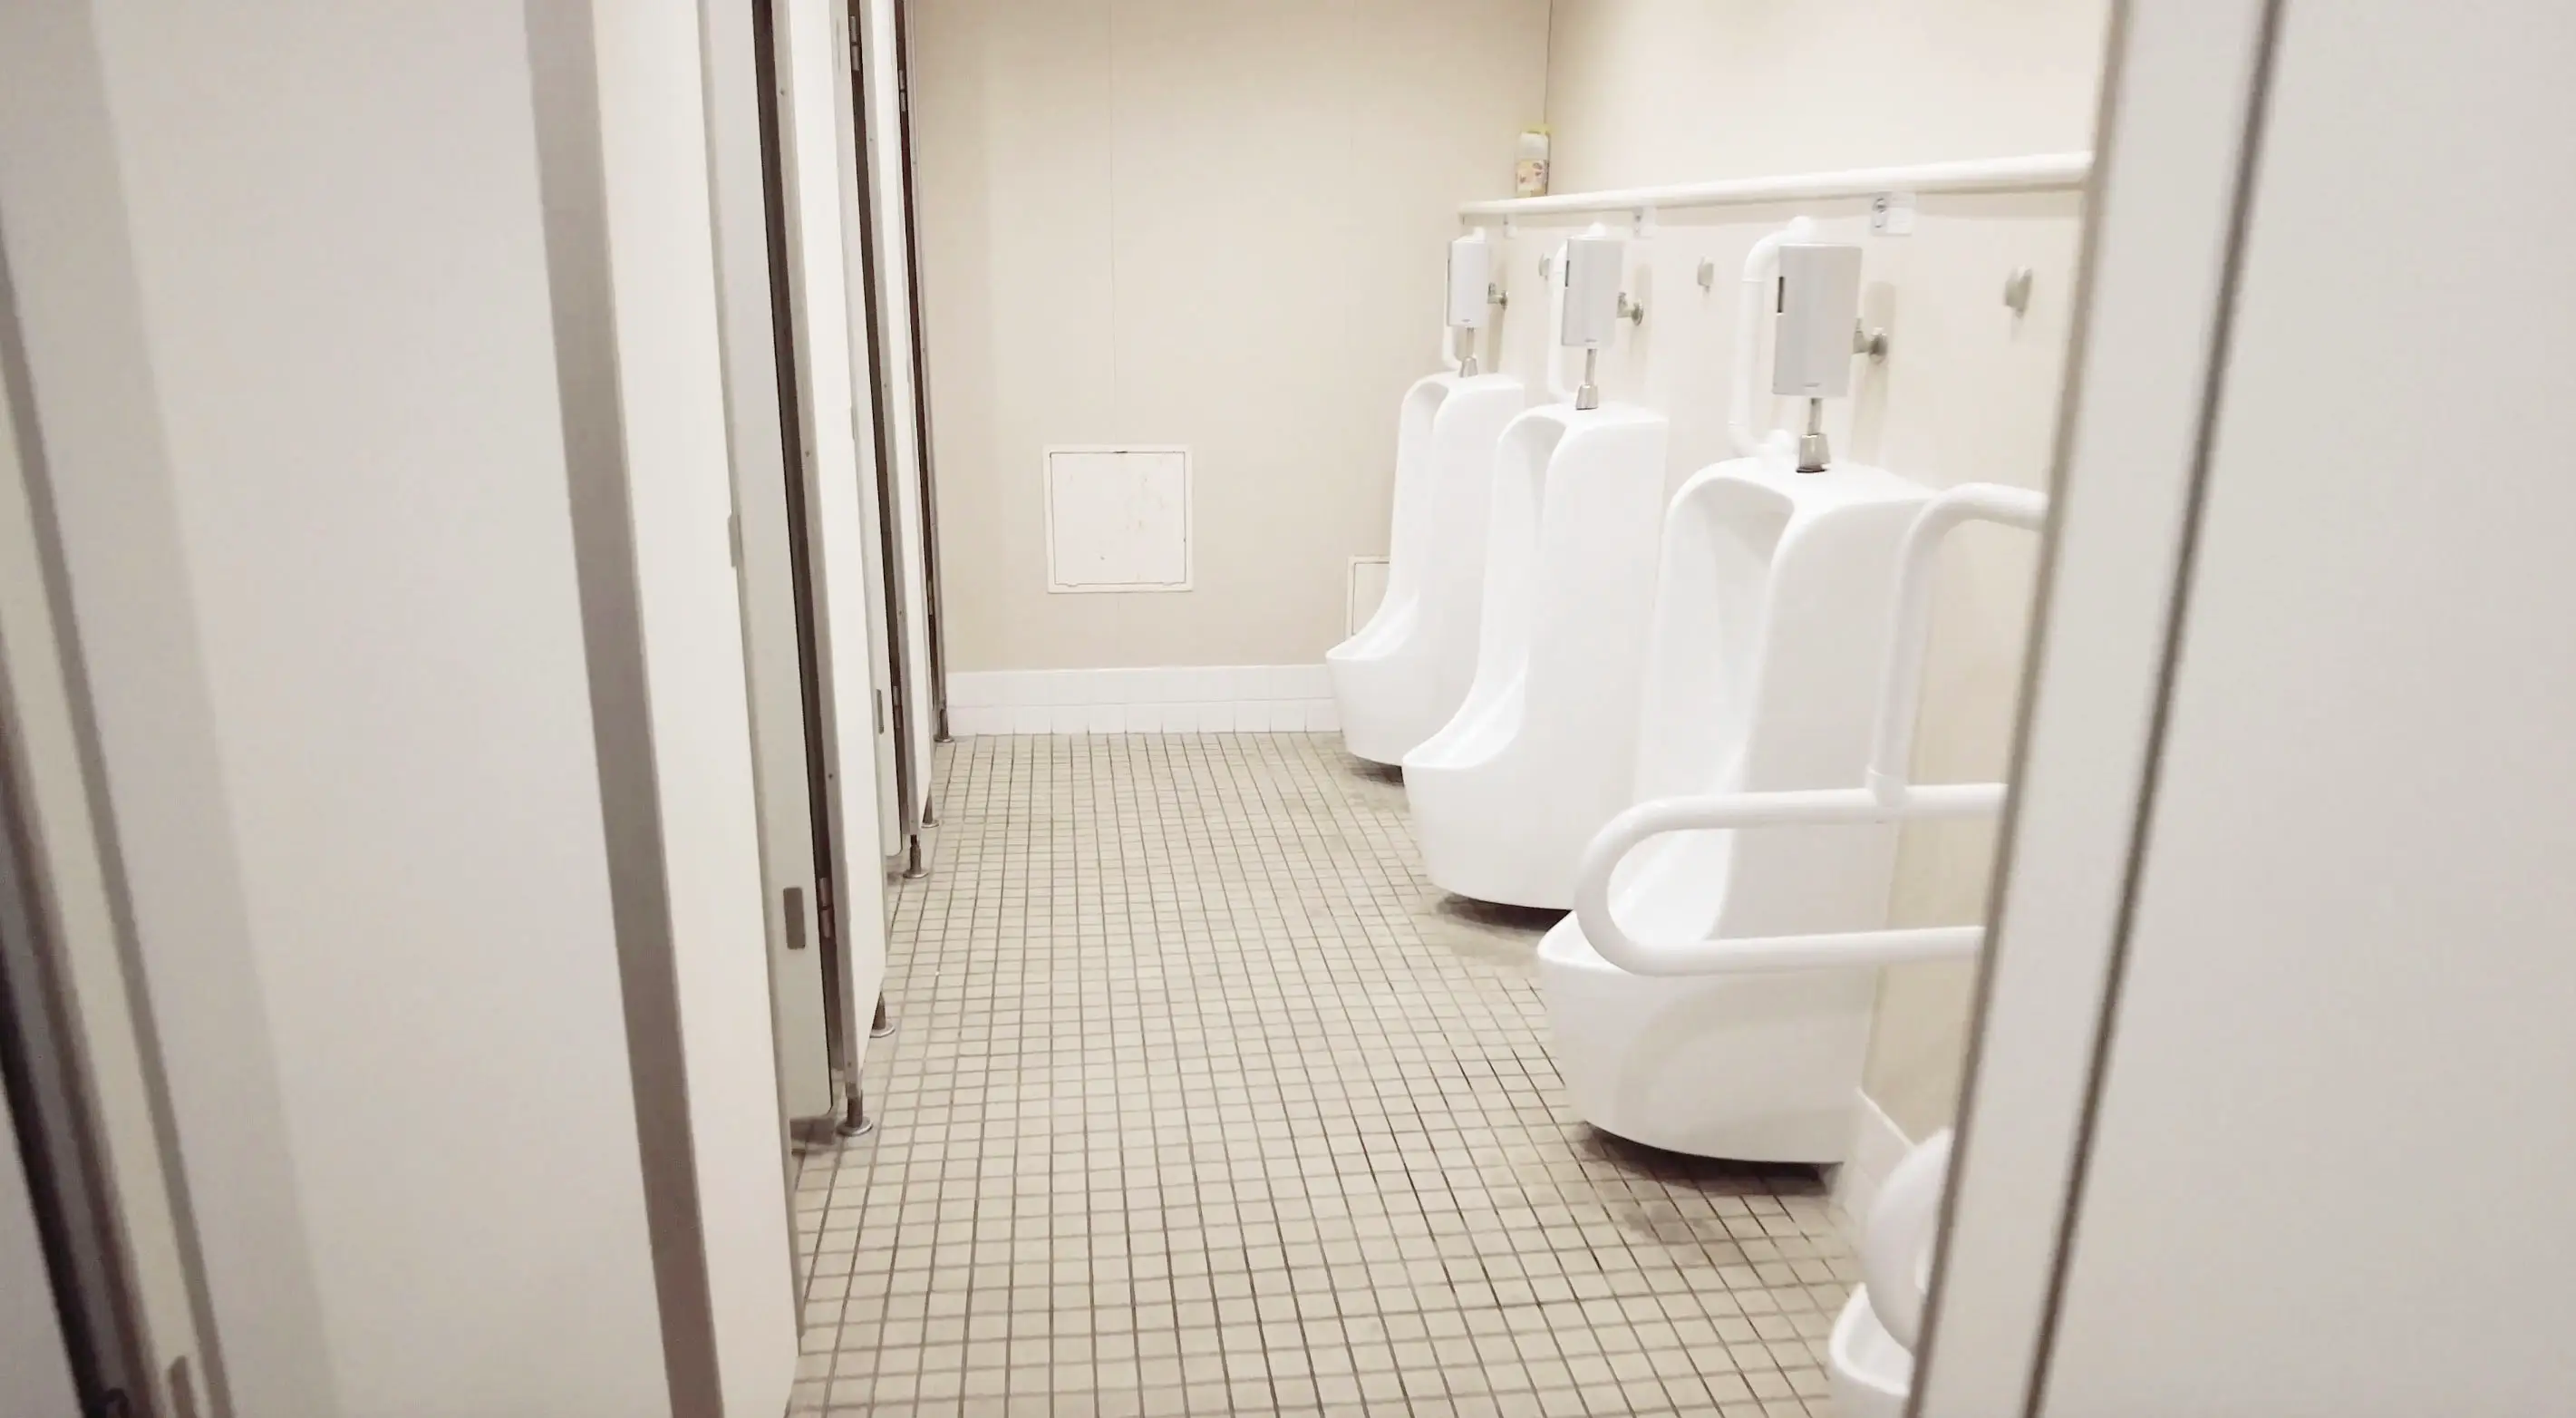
[(1644, 91), (1647, 91), (1218, 223)]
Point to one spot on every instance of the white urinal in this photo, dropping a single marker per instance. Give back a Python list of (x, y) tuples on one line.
[(1401, 677), (1871, 1352), (1543, 751), (1770, 636)]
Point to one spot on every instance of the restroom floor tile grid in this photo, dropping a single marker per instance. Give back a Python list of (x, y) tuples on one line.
[(1204, 1101)]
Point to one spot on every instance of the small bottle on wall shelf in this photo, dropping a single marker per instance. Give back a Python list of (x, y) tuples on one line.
[(1529, 173)]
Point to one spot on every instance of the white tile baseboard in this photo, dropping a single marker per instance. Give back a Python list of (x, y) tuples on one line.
[(1188, 700), (1877, 1145)]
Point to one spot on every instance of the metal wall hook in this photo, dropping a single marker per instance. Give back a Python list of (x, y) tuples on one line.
[(1707, 274), (1869, 342), (1630, 310), (1495, 295), (2017, 290)]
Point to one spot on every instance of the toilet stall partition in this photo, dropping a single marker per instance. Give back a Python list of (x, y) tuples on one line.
[(1886, 794)]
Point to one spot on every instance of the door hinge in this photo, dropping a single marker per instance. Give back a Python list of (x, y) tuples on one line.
[(823, 920), (879, 695), (733, 537)]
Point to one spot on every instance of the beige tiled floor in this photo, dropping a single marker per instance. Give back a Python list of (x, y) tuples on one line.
[(1204, 1101)]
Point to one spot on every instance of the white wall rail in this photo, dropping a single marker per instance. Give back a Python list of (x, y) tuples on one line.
[(1886, 796), (2034, 173)]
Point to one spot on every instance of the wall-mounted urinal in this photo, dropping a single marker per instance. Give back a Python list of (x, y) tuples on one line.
[(1539, 755), (1542, 752), (1870, 1354), (1402, 675), (1770, 636), (1405, 672)]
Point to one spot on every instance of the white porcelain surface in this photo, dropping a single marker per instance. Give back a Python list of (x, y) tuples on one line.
[(1404, 673), (1770, 631), (1871, 1353), (1753, 1067), (1543, 750), (1871, 1373)]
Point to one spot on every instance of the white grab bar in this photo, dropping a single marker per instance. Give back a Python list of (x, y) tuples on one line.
[(1887, 796), (1901, 694)]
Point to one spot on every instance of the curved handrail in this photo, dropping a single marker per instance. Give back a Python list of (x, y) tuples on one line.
[(1814, 807), (1887, 796), (1910, 635)]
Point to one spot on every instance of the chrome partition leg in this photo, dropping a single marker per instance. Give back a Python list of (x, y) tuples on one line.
[(855, 1122), (883, 1024)]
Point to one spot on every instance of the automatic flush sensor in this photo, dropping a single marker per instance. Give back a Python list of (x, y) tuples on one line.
[(1594, 305), (1816, 335), (1471, 293)]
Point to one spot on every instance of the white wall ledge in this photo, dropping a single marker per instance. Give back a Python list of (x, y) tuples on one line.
[(2034, 173), (1183, 699)]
